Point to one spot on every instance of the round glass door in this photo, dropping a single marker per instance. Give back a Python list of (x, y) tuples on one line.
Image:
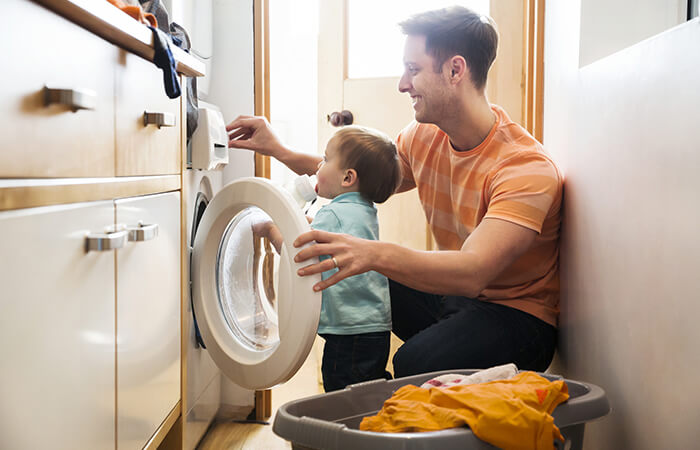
[(246, 270), (257, 317)]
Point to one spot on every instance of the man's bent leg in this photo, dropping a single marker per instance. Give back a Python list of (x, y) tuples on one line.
[(412, 311), (477, 335)]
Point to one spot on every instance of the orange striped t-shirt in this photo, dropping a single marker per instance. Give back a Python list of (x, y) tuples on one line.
[(509, 177)]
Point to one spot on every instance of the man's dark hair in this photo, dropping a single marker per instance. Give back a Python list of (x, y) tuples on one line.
[(457, 31), (374, 157)]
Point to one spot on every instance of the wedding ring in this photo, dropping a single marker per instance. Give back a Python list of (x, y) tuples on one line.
[(335, 262)]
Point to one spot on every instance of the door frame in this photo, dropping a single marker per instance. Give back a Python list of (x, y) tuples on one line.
[(261, 39)]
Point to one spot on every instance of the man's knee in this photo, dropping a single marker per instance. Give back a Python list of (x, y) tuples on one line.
[(398, 362), (405, 362)]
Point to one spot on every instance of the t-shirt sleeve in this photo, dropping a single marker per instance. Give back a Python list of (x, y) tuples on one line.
[(326, 220), (525, 190), (403, 142)]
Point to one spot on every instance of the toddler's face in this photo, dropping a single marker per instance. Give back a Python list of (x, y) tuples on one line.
[(330, 174)]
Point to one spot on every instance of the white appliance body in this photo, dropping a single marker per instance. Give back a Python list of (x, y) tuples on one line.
[(203, 388), (255, 315)]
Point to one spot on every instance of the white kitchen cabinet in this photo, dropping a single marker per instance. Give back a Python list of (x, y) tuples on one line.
[(147, 122), (57, 329), (91, 338), (69, 130), (148, 316)]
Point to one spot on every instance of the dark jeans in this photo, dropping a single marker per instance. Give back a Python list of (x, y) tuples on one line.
[(354, 358), (446, 332)]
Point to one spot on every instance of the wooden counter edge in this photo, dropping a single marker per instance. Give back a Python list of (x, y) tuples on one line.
[(31, 193), (108, 22)]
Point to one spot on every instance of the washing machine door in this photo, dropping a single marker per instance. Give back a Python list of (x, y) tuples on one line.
[(257, 317)]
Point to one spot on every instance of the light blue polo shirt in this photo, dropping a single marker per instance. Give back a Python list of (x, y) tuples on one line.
[(357, 304)]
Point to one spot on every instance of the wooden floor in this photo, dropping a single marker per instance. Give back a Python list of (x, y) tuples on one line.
[(230, 436), (243, 436)]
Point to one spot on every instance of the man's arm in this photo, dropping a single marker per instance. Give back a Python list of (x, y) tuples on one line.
[(254, 133), (493, 246)]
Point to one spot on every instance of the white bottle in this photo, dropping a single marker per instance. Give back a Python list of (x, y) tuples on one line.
[(302, 189)]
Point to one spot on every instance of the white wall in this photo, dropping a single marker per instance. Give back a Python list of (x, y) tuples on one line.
[(608, 26), (232, 79), (625, 131)]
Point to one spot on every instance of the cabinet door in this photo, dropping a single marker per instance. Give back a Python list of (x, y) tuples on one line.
[(148, 316), (73, 134), (57, 329), (145, 148)]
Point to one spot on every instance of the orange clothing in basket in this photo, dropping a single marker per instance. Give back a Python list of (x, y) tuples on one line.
[(510, 414)]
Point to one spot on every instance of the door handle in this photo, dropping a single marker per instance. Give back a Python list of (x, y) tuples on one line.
[(105, 241), (338, 119), (75, 99), (159, 119), (142, 232)]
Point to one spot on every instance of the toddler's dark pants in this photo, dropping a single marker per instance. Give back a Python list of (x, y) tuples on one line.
[(354, 358)]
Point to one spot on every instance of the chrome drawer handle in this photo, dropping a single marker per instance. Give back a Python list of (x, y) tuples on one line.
[(141, 232), (75, 99), (105, 241), (158, 119)]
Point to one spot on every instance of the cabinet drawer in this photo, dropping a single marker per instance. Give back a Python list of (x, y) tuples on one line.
[(145, 149), (57, 140)]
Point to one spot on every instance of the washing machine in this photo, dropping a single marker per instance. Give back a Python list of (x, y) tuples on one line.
[(203, 179), (251, 320)]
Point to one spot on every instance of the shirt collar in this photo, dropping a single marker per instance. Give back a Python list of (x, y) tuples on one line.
[(351, 197)]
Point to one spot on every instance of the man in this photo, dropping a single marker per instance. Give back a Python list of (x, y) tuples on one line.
[(492, 198)]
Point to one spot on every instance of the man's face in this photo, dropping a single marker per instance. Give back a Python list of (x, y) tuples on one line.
[(430, 91)]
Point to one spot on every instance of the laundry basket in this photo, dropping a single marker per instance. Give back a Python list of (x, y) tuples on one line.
[(331, 421)]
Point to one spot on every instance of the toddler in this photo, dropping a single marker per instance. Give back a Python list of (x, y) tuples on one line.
[(360, 167)]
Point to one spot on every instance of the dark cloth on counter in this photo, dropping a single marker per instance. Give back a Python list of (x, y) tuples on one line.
[(179, 37), (163, 58)]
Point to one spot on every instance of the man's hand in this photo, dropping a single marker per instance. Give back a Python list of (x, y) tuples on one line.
[(353, 255), (254, 133)]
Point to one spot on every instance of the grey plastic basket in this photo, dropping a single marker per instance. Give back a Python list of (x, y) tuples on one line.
[(331, 421)]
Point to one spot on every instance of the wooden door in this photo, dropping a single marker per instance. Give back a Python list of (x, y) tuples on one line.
[(376, 102)]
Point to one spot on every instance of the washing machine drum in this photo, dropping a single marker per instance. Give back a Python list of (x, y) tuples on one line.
[(257, 317)]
